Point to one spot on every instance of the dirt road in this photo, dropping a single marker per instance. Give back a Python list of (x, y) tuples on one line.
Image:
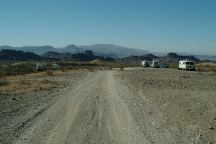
[(119, 107), (92, 112)]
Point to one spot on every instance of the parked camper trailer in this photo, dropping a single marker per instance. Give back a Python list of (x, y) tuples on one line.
[(154, 64), (55, 66), (186, 65), (39, 67), (145, 63)]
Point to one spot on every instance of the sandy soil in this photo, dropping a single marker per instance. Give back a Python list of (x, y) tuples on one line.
[(160, 106)]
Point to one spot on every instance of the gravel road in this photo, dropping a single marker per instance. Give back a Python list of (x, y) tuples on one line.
[(111, 106), (92, 112)]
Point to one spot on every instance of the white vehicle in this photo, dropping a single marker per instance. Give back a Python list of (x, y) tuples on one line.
[(55, 66), (40, 67), (154, 64), (145, 63), (186, 65)]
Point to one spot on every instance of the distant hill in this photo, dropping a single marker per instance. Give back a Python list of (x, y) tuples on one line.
[(174, 58), (87, 55), (138, 59), (35, 49), (18, 55), (56, 56), (204, 57), (71, 49), (113, 50), (105, 50)]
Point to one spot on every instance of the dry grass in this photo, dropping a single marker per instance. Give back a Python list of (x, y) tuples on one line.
[(45, 74), (207, 67), (49, 73), (23, 86), (28, 82)]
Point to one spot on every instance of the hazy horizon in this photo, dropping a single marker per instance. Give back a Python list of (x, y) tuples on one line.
[(150, 51), (186, 26)]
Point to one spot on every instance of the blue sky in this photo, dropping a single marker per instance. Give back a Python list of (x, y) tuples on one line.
[(154, 25)]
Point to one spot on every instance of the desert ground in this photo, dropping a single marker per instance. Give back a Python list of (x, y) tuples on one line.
[(134, 106)]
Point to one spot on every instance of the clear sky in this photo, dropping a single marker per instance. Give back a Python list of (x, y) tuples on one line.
[(154, 25)]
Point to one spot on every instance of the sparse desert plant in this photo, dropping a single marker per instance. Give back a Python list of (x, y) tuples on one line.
[(49, 72), (174, 66), (206, 67)]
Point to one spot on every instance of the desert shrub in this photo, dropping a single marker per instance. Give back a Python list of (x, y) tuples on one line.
[(49, 72), (206, 68), (174, 66)]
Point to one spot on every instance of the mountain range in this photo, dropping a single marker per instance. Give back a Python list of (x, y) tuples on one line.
[(88, 55), (105, 50), (18, 55)]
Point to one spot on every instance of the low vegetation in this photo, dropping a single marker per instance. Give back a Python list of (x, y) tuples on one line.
[(206, 67), (16, 69), (21, 68)]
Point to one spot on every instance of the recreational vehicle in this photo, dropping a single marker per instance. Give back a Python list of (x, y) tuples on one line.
[(186, 65), (55, 66), (154, 64), (145, 63), (40, 67)]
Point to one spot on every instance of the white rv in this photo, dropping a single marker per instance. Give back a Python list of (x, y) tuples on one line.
[(145, 63), (40, 67), (55, 66), (154, 64), (186, 65)]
